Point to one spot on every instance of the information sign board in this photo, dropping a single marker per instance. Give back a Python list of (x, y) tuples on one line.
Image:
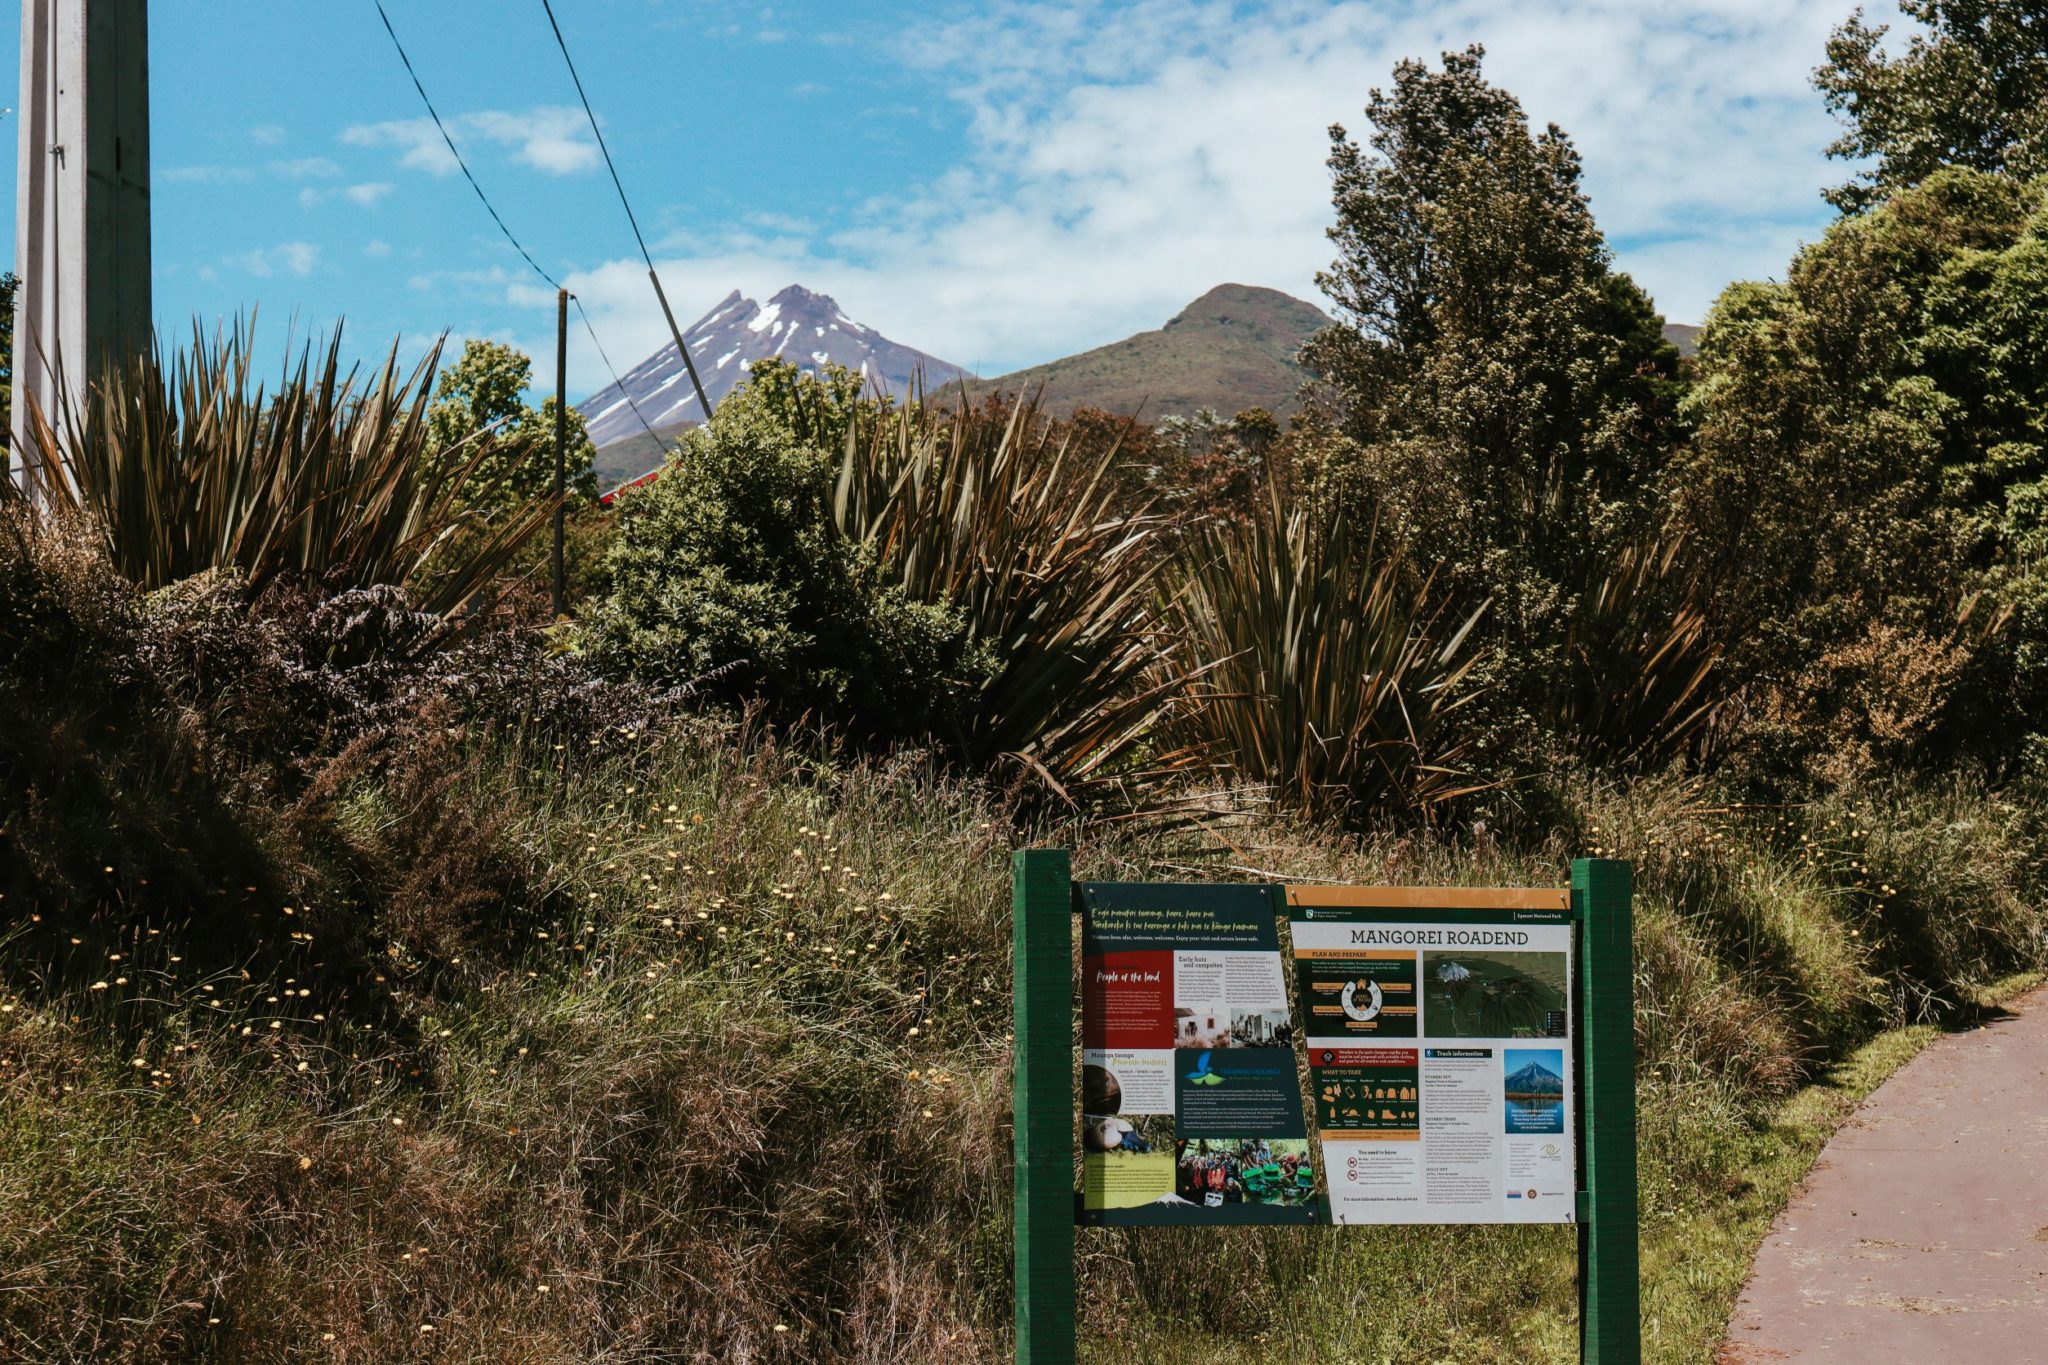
[(1471, 1050), (1190, 1094), (1440, 1055)]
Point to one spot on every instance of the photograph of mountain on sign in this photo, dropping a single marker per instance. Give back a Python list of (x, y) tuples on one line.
[(1533, 1086), (561, 559)]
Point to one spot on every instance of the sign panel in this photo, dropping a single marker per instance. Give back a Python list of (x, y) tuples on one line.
[(1190, 1098), (1439, 1050)]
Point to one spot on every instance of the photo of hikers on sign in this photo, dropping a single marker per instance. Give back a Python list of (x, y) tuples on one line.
[(1218, 1171)]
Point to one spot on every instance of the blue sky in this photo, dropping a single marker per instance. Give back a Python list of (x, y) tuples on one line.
[(994, 183)]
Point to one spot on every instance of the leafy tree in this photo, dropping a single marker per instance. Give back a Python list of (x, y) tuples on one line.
[(1202, 465), (823, 407), (479, 396), (1510, 398), (1970, 89), (1869, 477)]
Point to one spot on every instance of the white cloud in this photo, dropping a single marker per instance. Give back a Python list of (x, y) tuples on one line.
[(785, 223), (288, 258), (365, 195), (551, 138), (493, 283), (1126, 157), (420, 143), (377, 248), (306, 168), (1164, 139), (267, 135)]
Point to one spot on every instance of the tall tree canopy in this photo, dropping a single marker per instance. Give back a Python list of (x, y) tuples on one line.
[(1969, 89), (479, 399), (1511, 397), (1871, 476)]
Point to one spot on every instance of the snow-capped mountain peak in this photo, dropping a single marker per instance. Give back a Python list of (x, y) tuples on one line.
[(805, 328)]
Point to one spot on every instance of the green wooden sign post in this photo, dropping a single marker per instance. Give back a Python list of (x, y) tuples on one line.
[(1042, 939), (1610, 1293), (1042, 964)]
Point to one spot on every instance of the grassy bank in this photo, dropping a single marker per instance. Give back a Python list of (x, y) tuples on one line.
[(1776, 987), (1444, 1286), (501, 1018), (740, 1090)]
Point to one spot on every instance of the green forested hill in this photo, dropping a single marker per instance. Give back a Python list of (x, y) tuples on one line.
[(1231, 349)]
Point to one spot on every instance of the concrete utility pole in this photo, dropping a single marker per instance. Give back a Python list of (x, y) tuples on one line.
[(81, 246)]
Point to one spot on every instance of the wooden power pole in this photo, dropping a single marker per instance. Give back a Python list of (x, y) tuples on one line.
[(81, 203), (561, 440)]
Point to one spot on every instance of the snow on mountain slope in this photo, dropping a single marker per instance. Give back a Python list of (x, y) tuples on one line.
[(805, 328)]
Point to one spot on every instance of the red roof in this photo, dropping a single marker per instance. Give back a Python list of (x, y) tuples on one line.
[(605, 500)]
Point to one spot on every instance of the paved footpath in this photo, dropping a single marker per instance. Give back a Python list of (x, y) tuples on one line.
[(1922, 1233)]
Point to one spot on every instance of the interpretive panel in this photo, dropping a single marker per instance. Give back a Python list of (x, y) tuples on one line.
[(1440, 1062), (1190, 1096)]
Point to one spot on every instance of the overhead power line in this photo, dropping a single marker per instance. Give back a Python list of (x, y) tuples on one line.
[(497, 218), (454, 152), (617, 382), (610, 165), (703, 403)]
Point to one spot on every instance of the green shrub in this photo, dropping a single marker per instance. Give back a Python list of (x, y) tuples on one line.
[(185, 763), (1013, 524), (729, 565), (1865, 485), (1328, 676), (964, 578), (707, 1037), (1945, 881), (1641, 679)]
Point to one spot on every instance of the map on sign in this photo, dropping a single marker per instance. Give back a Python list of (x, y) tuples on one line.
[(1440, 1062)]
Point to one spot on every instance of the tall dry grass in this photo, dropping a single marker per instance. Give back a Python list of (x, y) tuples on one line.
[(574, 1028)]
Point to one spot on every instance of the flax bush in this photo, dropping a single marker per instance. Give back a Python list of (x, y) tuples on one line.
[(333, 479)]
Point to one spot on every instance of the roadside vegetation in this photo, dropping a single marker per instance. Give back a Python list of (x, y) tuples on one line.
[(389, 971)]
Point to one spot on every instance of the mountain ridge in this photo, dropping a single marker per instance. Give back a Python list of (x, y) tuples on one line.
[(1232, 348), (1534, 1078)]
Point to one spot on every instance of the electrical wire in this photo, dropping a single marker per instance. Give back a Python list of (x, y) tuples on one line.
[(703, 403), (617, 382), (452, 151), (500, 221), (608, 162)]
